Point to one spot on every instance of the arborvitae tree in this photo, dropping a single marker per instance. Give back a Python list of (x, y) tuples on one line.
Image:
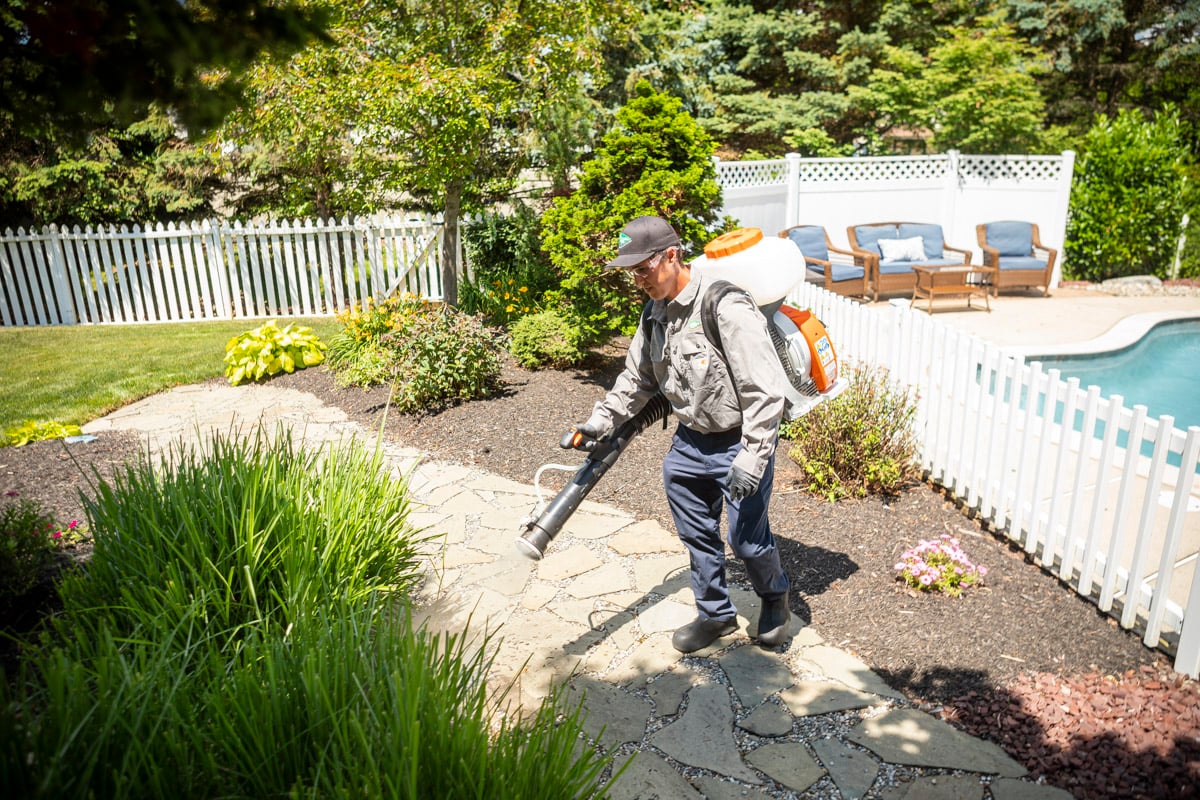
[(656, 159)]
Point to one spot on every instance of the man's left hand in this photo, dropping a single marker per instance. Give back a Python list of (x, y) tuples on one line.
[(741, 484)]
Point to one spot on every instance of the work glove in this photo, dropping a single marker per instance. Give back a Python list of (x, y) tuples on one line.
[(583, 436), (741, 484)]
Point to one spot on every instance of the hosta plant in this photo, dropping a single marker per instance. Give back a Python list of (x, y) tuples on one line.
[(37, 431), (939, 565), (269, 350)]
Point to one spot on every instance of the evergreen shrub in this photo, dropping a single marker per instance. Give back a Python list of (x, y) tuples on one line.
[(1127, 198), (656, 159), (546, 339)]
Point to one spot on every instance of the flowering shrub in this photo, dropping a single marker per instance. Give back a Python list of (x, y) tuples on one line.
[(432, 355), (503, 301), (28, 541), (939, 566), (859, 443)]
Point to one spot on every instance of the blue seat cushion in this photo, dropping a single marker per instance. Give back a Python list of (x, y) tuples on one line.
[(931, 236), (868, 236), (1021, 262), (840, 272), (811, 241), (1010, 238), (897, 267)]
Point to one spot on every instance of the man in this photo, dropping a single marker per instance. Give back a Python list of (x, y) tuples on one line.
[(728, 401)]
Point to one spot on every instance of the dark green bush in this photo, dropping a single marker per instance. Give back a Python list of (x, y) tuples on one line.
[(1127, 198), (546, 339), (859, 443), (655, 160)]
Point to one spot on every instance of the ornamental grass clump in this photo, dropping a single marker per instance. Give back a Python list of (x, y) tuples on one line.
[(244, 630), (939, 565)]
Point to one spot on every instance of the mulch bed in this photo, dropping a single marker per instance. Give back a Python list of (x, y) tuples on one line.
[(1022, 661)]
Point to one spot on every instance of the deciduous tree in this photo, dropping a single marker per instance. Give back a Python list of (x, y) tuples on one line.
[(72, 66)]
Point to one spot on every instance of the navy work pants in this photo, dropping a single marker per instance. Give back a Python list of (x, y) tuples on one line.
[(694, 476)]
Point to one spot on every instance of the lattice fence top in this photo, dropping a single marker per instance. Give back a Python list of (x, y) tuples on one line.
[(1011, 168), (890, 169), (743, 174), (887, 169)]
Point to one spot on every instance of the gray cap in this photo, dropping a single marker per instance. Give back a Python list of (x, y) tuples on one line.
[(642, 238)]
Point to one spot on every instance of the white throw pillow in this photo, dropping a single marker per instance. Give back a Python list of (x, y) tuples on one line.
[(912, 249)]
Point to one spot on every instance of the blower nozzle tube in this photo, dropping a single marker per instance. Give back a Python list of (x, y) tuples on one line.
[(541, 531)]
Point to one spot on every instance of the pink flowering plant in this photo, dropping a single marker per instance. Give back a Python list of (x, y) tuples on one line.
[(29, 539), (939, 565)]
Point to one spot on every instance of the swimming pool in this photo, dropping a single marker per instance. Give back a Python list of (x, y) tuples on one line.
[(1160, 371)]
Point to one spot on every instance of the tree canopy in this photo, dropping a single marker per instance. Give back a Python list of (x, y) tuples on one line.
[(70, 66)]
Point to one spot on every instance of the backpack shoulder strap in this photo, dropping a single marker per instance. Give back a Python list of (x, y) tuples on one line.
[(717, 292)]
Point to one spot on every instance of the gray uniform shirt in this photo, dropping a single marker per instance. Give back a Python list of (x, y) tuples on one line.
[(707, 393)]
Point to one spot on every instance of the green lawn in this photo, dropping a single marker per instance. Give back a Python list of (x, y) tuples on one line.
[(73, 374)]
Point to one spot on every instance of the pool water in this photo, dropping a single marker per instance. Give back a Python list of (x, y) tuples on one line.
[(1161, 371)]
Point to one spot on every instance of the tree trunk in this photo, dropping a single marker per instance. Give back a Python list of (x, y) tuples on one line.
[(450, 267)]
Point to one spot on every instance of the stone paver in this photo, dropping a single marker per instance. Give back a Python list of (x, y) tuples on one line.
[(597, 613)]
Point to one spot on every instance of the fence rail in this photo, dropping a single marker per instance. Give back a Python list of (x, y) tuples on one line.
[(212, 270), (1098, 494)]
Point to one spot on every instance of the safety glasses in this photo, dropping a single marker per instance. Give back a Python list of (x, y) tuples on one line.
[(644, 270)]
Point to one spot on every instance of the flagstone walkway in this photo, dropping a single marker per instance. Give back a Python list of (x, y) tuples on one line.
[(805, 720)]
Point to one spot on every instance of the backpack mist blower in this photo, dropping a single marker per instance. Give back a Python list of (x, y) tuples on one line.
[(740, 260)]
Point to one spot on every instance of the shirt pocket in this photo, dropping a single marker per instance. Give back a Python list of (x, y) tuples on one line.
[(696, 362)]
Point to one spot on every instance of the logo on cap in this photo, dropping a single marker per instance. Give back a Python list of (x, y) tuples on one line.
[(623, 240)]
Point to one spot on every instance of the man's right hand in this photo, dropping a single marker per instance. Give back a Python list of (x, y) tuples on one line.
[(581, 437)]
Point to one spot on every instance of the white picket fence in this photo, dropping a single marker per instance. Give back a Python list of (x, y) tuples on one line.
[(212, 270), (1117, 521)]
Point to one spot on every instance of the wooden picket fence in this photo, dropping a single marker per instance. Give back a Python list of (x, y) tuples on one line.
[(212, 269), (1098, 493)]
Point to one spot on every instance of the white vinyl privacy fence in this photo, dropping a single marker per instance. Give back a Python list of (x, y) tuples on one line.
[(954, 190), (212, 270), (1098, 493)]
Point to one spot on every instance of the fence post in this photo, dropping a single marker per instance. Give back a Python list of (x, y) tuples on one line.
[(1183, 225), (1065, 176), (951, 191), (791, 214)]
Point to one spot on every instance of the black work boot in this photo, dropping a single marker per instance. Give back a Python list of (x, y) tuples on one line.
[(774, 621), (701, 632)]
